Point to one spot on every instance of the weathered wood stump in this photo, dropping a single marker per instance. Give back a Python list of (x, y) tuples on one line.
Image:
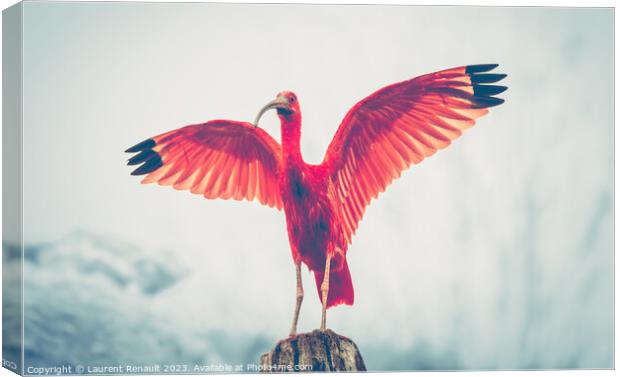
[(313, 352)]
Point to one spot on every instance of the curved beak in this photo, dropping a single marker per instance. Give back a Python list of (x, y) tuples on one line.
[(279, 103)]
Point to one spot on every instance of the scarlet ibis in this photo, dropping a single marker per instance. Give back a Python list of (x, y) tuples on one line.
[(382, 135)]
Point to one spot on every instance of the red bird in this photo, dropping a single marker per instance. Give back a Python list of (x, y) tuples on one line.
[(379, 137)]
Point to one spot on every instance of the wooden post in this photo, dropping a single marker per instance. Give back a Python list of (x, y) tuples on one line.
[(313, 352)]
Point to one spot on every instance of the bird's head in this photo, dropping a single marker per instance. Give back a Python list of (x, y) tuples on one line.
[(286, 105)]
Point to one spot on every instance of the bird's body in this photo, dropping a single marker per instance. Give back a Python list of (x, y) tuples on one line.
[(314, 227), (379, 137), (309, 215)]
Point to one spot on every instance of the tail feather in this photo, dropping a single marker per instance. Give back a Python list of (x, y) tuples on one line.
[(340, 286)]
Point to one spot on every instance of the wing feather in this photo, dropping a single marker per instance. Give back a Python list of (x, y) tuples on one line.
[(400, 125), (217, 159)]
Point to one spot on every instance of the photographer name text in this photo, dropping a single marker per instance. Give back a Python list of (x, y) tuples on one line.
[(163, 368)]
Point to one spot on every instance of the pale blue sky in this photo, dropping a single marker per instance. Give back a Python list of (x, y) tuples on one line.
[(498, 248)]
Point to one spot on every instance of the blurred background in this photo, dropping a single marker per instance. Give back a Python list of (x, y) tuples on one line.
[(496, 253)]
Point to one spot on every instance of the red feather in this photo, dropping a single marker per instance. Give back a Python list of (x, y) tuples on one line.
[(212, 159)]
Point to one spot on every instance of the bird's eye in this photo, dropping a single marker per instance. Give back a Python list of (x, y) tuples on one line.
[(291, 100)]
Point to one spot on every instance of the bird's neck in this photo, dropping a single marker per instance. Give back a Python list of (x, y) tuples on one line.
[(291, 134)]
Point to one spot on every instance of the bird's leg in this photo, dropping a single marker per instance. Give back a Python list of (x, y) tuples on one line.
[(300, 298), (325, 291)]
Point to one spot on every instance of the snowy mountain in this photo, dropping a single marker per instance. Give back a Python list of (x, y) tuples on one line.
[(92, 301)]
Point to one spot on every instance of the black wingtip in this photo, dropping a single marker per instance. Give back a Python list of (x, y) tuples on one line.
[(484, 102), (141, 157), (149, 166), (478, 68), (486, 78), (146, 156), (480, 77), (146, 144), (489, 90)]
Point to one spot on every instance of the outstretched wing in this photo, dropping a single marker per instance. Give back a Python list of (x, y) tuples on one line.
[(400, 125), (218, 159)]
